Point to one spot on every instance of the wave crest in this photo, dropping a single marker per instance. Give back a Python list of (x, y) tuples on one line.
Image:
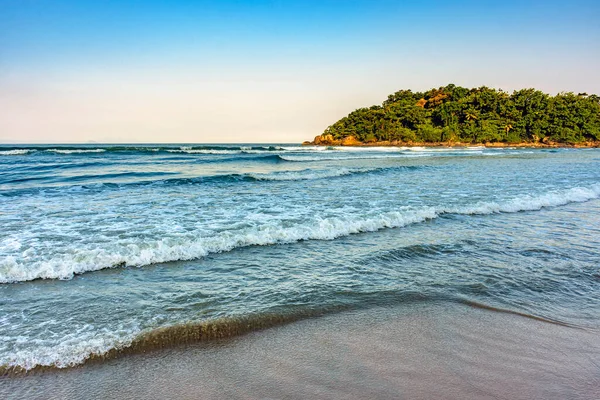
[(310, 174), (165, 250), (15, 152), (132, 340), (75, 151)]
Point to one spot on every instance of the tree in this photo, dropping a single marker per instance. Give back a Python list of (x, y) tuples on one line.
[(479, 115)]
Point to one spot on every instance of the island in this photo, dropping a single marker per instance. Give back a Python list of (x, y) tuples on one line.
[(458, 116)]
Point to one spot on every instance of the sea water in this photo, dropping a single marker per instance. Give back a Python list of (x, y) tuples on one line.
[(106, 249)]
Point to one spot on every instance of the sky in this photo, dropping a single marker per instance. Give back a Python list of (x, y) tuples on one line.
[(267, 71)]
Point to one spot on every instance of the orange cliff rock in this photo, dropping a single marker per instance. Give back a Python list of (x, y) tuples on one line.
[(350, 141), (328, 140)]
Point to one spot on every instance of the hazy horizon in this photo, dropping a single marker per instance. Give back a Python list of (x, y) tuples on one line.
[(266, 71)]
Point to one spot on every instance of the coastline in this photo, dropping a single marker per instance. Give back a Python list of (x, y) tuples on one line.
[(418, 349), (352, 142)]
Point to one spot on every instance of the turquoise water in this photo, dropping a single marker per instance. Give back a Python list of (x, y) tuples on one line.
[(102, 247)]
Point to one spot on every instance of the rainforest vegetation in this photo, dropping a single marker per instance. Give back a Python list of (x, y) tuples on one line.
[(481, 115)]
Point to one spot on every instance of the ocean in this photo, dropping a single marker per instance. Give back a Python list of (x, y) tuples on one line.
[(107, 250)]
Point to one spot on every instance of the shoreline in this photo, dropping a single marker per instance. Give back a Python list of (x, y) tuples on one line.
[(341, 143), (233, 328), (420, 350)]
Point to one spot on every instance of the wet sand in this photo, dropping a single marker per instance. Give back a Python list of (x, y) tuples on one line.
[(421, 350)]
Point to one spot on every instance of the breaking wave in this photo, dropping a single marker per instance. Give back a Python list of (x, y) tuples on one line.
[(301, 158), (281, 232), (72, 183), (75, 151), (132, 339), (529, 202), (198, 149), (311, 174), (204, 151), (15, 152)]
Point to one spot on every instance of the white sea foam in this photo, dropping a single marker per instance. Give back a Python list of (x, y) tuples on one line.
[(70, 350), (65, 266), (251, 150), (529, 202), (72, 346), (76, 151), (205, 151), (446, 149), (302, 158), (370, 149), (17, 152), (310, 174), (267, 232), (303, 149)]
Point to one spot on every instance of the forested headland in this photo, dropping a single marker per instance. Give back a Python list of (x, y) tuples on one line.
[(457, 115)]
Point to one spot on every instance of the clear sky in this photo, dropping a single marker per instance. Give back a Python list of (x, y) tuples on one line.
[(267, 71)]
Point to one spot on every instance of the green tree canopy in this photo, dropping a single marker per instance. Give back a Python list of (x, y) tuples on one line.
[(480, 115)]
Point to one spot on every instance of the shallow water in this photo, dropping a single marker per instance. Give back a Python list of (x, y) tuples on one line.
[(417, 350), (109, 248)]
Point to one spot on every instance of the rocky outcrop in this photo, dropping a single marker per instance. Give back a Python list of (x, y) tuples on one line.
[(325, 140), (350, 141), (328, 140)]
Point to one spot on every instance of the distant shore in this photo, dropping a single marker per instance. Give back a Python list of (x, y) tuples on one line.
[(352, 142), (455, 116)]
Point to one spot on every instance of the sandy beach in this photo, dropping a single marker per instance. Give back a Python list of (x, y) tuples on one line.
[(423, 350)]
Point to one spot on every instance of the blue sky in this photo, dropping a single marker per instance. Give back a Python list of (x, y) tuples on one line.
[(267, 71)]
